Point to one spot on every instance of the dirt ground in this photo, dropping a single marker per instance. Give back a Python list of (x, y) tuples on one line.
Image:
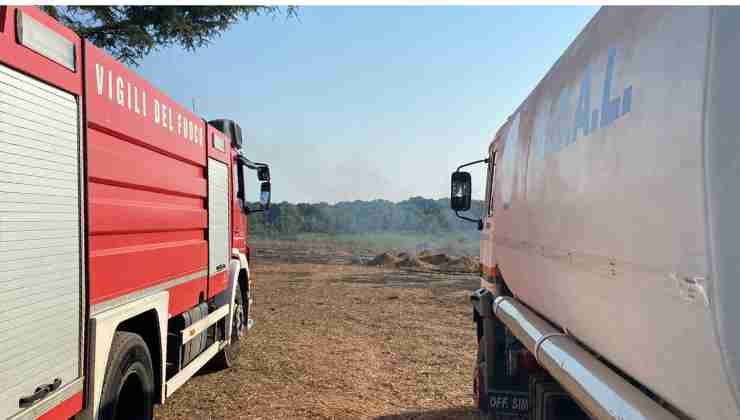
[(336, 339)]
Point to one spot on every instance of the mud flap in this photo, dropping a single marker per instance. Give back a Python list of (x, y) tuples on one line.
[(505, 382), (549, 401)]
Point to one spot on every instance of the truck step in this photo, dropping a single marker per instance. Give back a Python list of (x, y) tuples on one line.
[(188, 371), (199, 326)]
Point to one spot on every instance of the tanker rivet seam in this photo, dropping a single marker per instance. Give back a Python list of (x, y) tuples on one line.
[(541, 341)]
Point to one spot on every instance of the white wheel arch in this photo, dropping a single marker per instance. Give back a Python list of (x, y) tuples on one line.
[(237, 264), (103, 326)]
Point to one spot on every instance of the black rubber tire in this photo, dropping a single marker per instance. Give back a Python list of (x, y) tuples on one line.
[(227, 357), (128, 387)]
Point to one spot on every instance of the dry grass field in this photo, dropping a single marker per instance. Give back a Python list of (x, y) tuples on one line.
[(337, 339)]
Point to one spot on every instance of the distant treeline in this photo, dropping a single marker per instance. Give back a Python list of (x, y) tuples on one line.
[(417, 214)]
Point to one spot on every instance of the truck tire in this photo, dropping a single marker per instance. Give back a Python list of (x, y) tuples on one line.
[(128, 387), (227, 357)]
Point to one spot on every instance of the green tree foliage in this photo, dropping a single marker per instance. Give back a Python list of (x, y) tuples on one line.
[(132, 32), (417, 215)]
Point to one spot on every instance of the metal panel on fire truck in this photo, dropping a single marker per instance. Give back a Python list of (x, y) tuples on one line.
[(40, 239), (218, 216)]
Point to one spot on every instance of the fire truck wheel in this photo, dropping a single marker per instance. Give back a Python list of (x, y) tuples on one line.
[(128, 387), (228, 356)]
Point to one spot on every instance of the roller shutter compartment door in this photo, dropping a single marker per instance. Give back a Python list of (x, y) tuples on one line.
[(40, 239), (218, 217)]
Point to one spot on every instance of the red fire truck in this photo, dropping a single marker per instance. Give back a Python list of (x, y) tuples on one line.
[(124, 266)]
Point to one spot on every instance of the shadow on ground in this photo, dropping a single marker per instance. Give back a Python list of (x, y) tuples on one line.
[(462, 413)]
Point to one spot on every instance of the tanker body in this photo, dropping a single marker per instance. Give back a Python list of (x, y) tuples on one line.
[(610, 248)]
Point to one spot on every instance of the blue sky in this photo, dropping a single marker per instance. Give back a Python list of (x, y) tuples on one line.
[(351, 103)]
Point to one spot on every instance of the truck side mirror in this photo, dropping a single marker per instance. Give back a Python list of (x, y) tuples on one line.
[(265, 195), (460, 191), (263, 173)]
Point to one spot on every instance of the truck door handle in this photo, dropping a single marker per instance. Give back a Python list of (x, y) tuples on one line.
[(41, 392)]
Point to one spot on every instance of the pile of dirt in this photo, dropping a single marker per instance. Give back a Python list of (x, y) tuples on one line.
[(384, 260), (413, 262), (424, 254), (426, 260), (466, 264), (436, 259)]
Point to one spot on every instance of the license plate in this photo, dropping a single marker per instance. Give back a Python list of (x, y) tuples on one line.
[(509, 403)]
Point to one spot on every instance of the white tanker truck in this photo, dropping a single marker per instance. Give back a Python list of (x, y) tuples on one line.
[(610, 246)]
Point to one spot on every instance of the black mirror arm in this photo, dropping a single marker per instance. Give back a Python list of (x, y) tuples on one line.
[(248, 210), (250, 164), (472, 163), (255, 166), (477, 221)]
